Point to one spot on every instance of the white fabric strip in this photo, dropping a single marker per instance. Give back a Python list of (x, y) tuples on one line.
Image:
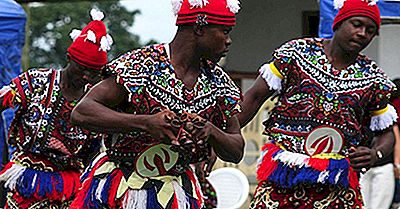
[(273, 81)]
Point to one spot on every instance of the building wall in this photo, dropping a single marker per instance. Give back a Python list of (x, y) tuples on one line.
[(263, 26)]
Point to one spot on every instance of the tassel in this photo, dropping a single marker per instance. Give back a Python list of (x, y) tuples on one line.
[(233, 5), (318, 164), (267, 165), (8, 99), (105, 43), (114, 188), (75, 33), (337, 4), (10, 175), (152, 202), (384, 120), (135, 199), (372, 2), (180, 195), (91, 36), (198, 3), (96, 14), (273, 81)]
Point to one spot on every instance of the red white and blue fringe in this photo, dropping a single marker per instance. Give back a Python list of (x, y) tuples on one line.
[(97, 193), (289, 169), (30, 183)]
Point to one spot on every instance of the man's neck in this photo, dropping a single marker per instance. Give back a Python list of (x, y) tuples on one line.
[(337, 56)]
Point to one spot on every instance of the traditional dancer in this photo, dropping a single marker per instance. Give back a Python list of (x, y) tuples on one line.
[(167, 106), (44, 171), (332, 101)]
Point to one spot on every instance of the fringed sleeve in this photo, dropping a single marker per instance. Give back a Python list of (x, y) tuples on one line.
[(272, 76), (382, 114)]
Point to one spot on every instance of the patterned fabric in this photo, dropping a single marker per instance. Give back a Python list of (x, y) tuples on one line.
[(321, 113), (48, 145), (319, 196), (151, 82), (315, 94)]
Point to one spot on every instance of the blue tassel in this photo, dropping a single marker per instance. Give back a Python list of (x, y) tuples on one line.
[(24, 184), (107, 185), (90, 199), (152, 202)]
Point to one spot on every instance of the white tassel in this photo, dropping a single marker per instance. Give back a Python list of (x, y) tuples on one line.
[(383, 121), (291, 159), (96, 14), (135, 199), (233, 5), (323, 176), (198, 3), (337, 4), (4, 90), (75, 33), (105, 43), (91, 36), (176, 6), (372, 2), (100, 188), (273, 81), (183, 202), (11, 176), (337, 177)]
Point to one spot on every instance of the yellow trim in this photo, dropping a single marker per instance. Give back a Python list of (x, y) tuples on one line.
[(275, 70), (328, 156), (380, 112)]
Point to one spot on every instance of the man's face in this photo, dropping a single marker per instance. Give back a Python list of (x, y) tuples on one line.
[(215, 42), (88, 75), (355, 33)]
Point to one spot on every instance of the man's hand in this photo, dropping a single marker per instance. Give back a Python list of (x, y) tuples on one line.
[(159, 126), (362, 158), (204, 168)]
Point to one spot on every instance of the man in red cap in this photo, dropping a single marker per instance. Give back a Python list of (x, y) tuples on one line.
[(167, 106), (332, 101), (50, 152)]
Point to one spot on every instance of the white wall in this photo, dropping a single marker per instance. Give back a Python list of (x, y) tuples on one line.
[(262, 25)]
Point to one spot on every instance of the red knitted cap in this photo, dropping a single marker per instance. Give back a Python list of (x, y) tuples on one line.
[(90, 45), (352, 8), (203, 12)]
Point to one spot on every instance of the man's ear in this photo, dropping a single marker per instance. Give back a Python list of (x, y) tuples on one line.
[(198, 30)]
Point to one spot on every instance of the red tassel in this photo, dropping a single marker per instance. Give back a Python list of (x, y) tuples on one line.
[(7, 167), (175, 203), (71, 184), (318, 164), (353, 178), (194, 181), (267, 165), (116, 179), (8, 99), (79, 201)]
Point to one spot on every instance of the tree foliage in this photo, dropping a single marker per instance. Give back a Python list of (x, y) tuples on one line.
[(51, 23)]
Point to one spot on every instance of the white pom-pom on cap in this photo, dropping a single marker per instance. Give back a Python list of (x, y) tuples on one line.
[(75, 33), (91, 36), (233, 5), (96, 14)]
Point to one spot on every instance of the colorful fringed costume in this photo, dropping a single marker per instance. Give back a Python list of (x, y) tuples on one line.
[(45, 169), (321, 113), (138, 171)]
